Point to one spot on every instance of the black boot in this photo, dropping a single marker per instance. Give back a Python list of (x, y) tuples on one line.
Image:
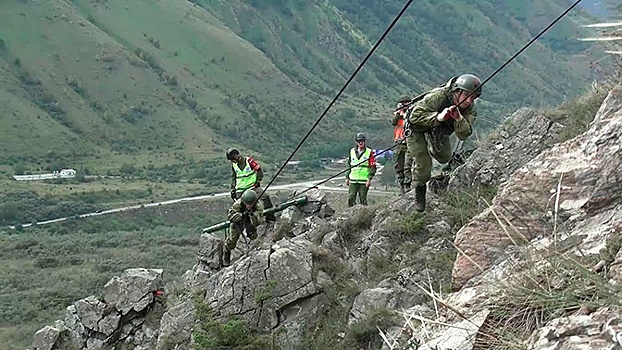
[(270, 217), (402, 189), (251, 234), (226, 258), (420, 198)]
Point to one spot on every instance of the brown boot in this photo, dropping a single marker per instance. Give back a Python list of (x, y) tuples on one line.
[(420, 198)]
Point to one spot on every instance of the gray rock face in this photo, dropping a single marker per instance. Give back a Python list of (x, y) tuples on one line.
[(90, 311), (258, 287), (523, 136), (209, 255), (133, 290), (578, 183), (601, 330), (118, 319), (45, 338), (176, 325), (369, 301)]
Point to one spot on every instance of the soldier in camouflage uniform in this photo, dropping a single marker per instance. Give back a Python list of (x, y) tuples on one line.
[(401, 163), (245, 214), (443, 111)]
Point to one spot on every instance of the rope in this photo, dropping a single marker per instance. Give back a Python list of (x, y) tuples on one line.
[(373, 49), (360, 66)]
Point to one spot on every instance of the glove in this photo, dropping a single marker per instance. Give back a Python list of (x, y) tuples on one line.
[(457, 115), (446, 114), (233, 194), (236, 217)]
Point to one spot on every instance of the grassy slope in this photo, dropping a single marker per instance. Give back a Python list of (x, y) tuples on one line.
[(159, 82), (422, 47), (117, 107)]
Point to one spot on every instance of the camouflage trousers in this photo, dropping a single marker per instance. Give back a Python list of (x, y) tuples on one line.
[(265, 200), (402, 165), (422, 146), (357, 188), (236, 230)]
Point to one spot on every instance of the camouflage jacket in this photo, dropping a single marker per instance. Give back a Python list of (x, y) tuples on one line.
[(422, 116), (238, 210)]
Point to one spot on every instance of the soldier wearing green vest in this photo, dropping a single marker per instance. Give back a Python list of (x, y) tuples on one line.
[(245, 215), (443, 111), (246, 173), (361, 169)]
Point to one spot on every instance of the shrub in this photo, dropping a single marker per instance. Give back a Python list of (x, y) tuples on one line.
[(361, 220), (577, 114), (231, 334), (550, 287)]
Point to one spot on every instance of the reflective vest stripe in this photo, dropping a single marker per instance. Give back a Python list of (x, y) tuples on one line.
[(359, 173), (244, 178)]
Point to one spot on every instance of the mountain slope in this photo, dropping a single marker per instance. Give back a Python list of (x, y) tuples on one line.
[(326, 39), (100, 81), (104, 83)]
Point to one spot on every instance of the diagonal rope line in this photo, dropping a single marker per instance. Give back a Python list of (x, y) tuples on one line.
[(518, 52), (508, 61), (360, 66)]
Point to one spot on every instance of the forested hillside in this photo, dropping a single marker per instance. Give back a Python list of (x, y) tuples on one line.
[(99, 84)]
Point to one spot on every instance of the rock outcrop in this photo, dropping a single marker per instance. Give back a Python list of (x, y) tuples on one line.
[(557, 218), (122, 316), (570, 190), (522, 136)]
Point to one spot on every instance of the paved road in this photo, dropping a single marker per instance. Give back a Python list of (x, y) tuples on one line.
[(335, 187)]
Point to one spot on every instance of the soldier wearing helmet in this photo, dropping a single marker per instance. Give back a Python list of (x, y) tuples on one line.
[(443, 111), (247, 173), (361, 169), (245, 215), (401, 163)]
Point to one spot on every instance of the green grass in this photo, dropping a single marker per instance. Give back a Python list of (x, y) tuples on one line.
[(100, 84), (47, 270), (577, 114)]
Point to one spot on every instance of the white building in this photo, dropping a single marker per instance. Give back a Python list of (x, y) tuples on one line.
[(62, 174)]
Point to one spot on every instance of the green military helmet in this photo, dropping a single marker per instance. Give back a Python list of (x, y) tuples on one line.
[(404, 99), (231, 153), (468, 82), (360, 136), (249, 197)]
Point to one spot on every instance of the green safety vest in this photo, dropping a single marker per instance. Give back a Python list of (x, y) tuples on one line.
[(359, 173), (244, 178)]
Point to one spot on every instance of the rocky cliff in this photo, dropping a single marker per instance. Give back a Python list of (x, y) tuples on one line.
[(538, 267)]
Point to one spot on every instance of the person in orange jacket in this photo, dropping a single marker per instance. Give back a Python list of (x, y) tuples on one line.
[(402, 163)]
